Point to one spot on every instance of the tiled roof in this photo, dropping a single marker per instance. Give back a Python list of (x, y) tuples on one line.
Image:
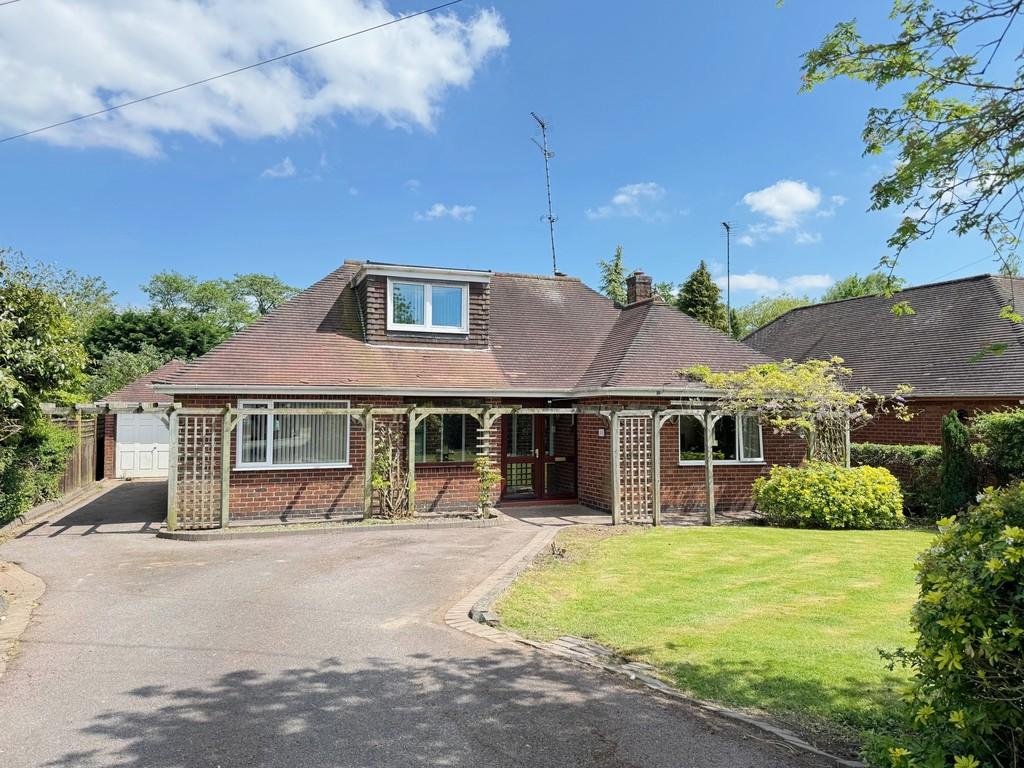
[(141, 390), (931, 350), (550, 334)]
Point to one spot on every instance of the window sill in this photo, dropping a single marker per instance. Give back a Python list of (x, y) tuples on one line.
[(725, 463), (426, 330), (277, 467)]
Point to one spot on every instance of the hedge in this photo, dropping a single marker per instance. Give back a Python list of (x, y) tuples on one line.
[(917, 467), (1001, 436)]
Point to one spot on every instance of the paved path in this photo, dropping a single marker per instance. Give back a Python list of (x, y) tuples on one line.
[(307, 651)]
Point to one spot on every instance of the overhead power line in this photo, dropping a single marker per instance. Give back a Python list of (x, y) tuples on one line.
[(229, 73)]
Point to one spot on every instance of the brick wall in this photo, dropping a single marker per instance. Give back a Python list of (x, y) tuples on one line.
[(307, 493), (372, 295), (109, 445), (926, 426), (682, 487)]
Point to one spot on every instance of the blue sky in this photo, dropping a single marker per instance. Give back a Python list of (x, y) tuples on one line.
[(666, 119)]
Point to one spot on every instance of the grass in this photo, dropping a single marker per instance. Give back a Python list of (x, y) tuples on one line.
[(788, 622)]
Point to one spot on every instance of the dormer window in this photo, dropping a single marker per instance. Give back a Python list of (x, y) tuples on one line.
[(427, 306)]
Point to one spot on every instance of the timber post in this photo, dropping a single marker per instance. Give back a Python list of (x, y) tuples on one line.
[(172, 470), (225, 465), (709, 462), (368, 462), (616, 458)]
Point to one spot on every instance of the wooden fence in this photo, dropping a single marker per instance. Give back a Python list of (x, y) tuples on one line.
[(81, 468)]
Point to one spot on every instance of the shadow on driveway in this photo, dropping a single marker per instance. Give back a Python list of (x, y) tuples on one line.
[(498, 710), (139, 506)]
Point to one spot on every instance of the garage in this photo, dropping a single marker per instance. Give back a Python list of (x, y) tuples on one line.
[(136, 445), (142, 445)]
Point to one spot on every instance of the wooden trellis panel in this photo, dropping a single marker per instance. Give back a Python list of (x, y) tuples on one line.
[(636, 475), (197, 491)]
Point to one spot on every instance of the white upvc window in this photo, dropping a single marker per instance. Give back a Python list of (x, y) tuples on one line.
[(281, 441), (414, 305), (734, 440)]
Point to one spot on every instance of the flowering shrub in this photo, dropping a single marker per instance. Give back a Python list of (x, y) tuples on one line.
[(966, 699), (823, 495)]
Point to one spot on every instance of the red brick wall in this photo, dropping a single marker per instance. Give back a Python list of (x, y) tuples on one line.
[(926, 426), (682, 487), (109, 445), (297, 493)]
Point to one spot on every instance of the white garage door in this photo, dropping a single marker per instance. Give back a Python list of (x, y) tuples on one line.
[(142, 444)]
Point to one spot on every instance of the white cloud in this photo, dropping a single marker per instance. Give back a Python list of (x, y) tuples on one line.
[(783, 206), (631, 201), (442, 211), (282, 170), (766, 285), (412, 185), (835, 202), (96, 53)]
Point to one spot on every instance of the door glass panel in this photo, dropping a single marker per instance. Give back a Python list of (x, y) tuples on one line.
[(561, 436), (519, 435), (520, 479), (560, 478)]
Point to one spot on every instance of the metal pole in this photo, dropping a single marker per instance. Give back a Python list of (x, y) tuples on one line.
[(547, 178), (728, 276)]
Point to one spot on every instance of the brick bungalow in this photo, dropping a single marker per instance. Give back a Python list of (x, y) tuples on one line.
[(935, 350), (557, 356)]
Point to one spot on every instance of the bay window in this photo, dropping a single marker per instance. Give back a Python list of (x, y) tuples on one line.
[(284, 441), (427, 306), (734, 439)]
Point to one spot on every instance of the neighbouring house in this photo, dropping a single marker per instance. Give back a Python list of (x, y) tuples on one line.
[(940, 350), (573, 372), (135, 445)]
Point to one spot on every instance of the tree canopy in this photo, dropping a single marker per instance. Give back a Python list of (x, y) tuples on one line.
[(118, 368), (762, 311), (231, 304), (871, 284), (958, 128), (700, 298), (613, 277)]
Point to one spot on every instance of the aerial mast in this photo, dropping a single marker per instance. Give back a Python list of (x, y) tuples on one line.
[(548, 154), (728, 275)]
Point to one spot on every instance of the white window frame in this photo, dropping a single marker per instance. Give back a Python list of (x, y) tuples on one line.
[(421, 456), (428, 308), (268, 464), (739, 445)]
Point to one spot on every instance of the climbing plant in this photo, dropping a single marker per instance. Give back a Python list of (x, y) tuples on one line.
[(489, 480), (390, 478)]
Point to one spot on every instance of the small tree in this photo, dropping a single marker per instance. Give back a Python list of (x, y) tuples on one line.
[(390, 479), (810, 398), (872, 284), (957, 466), (667, 291), (762, 311), (613, 277), (489, 480), (700, 298), (118, 368)]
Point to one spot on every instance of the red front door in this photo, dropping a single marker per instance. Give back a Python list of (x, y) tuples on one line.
[(538, 457)]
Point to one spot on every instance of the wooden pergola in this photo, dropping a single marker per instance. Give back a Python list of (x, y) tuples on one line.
[(199, 468)]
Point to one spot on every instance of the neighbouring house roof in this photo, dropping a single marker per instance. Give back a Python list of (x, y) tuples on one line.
[(141, 390), (547, 334), (931, 350)]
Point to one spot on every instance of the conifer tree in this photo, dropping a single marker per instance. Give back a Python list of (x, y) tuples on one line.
[(613, 277), (700, 298)]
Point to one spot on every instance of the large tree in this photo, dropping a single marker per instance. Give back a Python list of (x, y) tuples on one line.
[(232, 304), (759, 313), (118, 368), (613, 277), (700, 298), (958, 127), (871, 284), (172, 334)]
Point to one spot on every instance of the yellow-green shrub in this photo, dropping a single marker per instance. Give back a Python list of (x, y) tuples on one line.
[(822, 495), (965, 704)]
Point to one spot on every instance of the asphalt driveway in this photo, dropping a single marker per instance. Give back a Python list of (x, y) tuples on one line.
[(307, 651)]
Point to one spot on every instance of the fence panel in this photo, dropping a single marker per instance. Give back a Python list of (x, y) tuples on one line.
[(81, 467)]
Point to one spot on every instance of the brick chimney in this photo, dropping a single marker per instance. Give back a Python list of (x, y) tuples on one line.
[(638, 287)]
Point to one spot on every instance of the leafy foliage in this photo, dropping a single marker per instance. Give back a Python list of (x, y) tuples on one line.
[(872, 284), (666, 291), (118, 368), (31, 466), (1001, 436), (172, 334), (489, 478), (965, 704), (812, 398), (230, 304), (700, 298), (389, 477), (613, 277), (823, 495), (759, 313), (957, 481), (959, 130), (917, 467)]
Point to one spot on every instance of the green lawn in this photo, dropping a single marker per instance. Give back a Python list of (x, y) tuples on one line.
[(784, 621)]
